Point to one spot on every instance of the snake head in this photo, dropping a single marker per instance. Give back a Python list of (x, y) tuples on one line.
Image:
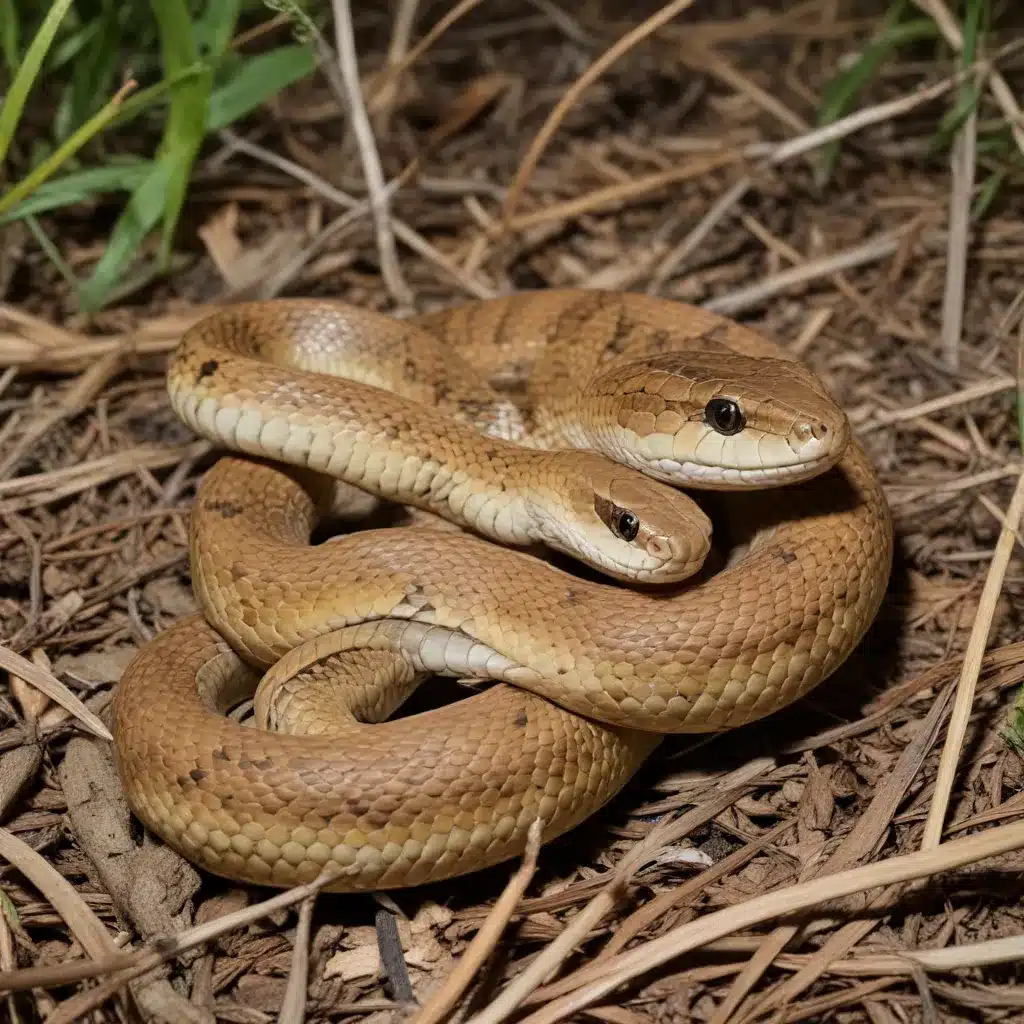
[(716, 420), (621, 522)]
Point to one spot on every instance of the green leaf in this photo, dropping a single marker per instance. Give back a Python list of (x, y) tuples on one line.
[(972, 31), (53, 254), (142, 214), (10, 43), (842, 89), (152, 94), (953, 119), (14, 101), (10, 912), (969, 92), (1014, 733), (987, 195), (47, 167), (75, 39), (79, 187), (94, 72), (256, 81), (186, 120), (215, 29), (997, 143), (840, 94)]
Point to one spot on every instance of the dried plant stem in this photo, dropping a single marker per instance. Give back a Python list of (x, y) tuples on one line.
[(354, 210), (867, 252), (401, 32), (856, 845), (968, 681), (390, 951), (137, 964), (573, 93), (677, 256), (293, 1006), (622, 191), (387, 79), (963, 170), (563, 21), (7, 963), (82, 922), (621, 969), (87, 928), (444, 999), (72, 404), (802, 144), (950, 958), (553, 955), (970, 394), (650, 912), (835, 946), (372, 171), (49, 684), (522, 990), (667, 831), (1001, 91), (705, 58)]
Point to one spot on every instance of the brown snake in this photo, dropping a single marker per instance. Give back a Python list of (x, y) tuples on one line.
[(589, 675)]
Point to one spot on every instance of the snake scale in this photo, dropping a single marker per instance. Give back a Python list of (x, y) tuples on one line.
[(559, 420)]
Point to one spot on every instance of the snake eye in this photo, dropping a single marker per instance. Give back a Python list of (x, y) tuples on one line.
[(627, 526), (724, 415)]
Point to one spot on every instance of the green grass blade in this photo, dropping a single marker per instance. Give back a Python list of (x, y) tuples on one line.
[(148, 97), (987, 194), (10, 912), (59, 156), (952, 121), (972, 30), (216, 28), (969, 92), (253, 82), (66, 51), (186, 119), (94, 72), (840, 94), (14, 103), (142, 214), (257, 80), (79, 187), (52, 252), (10, 35), (191, 53)]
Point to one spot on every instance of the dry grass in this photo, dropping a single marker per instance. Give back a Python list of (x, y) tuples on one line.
[(856, 858)]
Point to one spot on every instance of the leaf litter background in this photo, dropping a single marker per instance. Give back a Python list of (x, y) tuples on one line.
[(655, 180)]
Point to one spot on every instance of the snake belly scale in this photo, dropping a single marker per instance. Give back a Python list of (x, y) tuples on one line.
[(588, 675)]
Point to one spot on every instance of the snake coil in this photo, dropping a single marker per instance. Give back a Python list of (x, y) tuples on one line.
[(564, 419)]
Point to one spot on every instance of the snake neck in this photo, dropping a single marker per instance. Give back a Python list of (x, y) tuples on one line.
[(395, 450)]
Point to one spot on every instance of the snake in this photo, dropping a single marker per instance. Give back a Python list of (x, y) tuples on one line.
[(569, 450)]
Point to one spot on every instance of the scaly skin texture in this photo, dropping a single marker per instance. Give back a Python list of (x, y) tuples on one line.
[(598, 672), (628, 376), (252, 390), (389, 805)]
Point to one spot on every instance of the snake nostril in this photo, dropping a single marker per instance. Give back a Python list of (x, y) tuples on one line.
[(809, 431), (659, 548)]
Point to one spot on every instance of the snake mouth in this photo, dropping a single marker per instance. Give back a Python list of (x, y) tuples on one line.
[(755, 458), (688, 473)]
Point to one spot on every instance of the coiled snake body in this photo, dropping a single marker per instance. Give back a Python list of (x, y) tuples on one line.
[(589, 675)]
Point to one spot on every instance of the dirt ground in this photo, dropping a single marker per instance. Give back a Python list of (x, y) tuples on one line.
[(691, 169)]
